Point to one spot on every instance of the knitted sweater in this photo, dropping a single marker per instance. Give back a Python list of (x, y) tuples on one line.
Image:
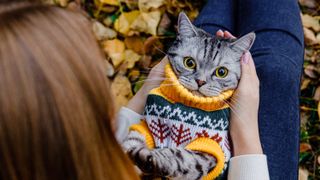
[(174, 117)]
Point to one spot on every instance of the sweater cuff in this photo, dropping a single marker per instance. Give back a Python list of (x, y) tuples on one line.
[(125, 118), (248, 167)]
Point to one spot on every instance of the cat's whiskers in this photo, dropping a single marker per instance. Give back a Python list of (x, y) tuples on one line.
[(231, 107)]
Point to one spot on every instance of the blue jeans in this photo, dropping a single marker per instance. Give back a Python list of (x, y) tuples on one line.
[(278, 56)]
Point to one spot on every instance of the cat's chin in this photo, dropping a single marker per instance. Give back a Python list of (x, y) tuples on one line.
[(197, 93)]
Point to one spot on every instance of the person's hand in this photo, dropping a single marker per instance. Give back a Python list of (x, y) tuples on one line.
[(244, 129), (155, 77)]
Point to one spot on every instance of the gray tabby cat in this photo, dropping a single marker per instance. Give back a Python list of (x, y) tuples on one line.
[(205, 65)]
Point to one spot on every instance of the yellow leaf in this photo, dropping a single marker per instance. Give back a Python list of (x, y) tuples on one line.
[(122, 24), (305, 147), (131, 58), (145, 5), (101, 32), (319, 114), (303, 174), (115, 50), (110, 2), (121, 89), (310, 22), (147, 22), (309, 36)]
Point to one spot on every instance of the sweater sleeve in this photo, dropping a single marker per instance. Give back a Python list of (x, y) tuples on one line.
[(248, 167), (125, 118)]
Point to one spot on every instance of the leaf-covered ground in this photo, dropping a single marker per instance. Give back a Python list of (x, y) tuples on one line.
[(134, 34)]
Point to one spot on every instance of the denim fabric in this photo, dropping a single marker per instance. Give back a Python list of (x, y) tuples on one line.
[(278, 56)]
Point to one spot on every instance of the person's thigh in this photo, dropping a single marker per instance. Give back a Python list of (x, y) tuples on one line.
[(278, 56), (215, 15)]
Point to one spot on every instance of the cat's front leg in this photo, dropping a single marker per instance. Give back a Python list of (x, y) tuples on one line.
[(179, 163)]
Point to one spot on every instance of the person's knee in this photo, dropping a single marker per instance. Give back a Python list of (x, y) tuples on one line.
[(279, 69)]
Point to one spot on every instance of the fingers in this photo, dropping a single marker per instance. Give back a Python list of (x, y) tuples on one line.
[(228, 35), (220, 33), (225, 34), (248, 70)]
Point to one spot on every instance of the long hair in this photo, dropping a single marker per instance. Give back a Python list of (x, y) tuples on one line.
[(55, 102)]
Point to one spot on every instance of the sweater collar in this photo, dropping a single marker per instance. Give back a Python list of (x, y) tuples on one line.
[(174, 91)]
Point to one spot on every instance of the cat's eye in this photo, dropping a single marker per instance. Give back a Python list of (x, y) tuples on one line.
[(189, 62), (221, 72)]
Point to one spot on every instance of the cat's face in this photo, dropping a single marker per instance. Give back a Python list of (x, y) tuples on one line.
[(204, 64)]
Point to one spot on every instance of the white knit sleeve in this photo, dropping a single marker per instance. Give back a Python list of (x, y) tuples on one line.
[(125, 118), (248, 167)]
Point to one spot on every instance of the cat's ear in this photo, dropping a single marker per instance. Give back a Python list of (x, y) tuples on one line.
[(185, 27), (244, 43)]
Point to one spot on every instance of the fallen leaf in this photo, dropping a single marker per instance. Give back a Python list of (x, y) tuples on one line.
[(310, 22), (109, 68), (316, 95), (305, 147), (147, 22), (308, 3), (164, 24), (132, 4), (152, 45), (62, 3), (319, 109), (123, 23), (131, 58), (303, 174), (145, 62), (115, 50), (309, 36), (135, 43), (310, 71), (134, 74), (121, 89), (305, 83), (110, 2), (145, 5), (101, 32), (108, 21)]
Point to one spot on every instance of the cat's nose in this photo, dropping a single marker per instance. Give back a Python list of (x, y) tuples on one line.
[(200, 82)]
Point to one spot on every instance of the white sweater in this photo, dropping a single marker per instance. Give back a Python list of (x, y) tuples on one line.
[(244, 167)]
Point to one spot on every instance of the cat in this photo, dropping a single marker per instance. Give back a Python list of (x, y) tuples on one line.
[(206, 66)]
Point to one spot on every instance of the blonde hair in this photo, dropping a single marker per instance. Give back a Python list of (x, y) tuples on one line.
[(56, 107)]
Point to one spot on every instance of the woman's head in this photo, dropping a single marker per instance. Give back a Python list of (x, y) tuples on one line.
[(55, 103)]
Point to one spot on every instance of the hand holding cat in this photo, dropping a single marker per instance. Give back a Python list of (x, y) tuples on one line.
[(245, 104), (244, 116), (155, 77)]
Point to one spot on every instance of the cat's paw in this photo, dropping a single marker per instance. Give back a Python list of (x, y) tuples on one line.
[(145, 161)]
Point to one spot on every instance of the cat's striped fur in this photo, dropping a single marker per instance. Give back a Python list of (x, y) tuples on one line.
[(177, 163)]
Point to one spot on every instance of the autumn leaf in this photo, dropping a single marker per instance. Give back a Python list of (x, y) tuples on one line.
[(131, 58), (110, 2), (121, 89), (308, 3), (305, 147), (135, 43), (145, 5), (115, 50), (109, 68), (309, 36), (303, 174), (147, 22), (101, 32), (123, 23), (310, 22)]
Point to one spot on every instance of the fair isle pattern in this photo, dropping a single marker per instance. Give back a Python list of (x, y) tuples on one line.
[(176, 125)]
